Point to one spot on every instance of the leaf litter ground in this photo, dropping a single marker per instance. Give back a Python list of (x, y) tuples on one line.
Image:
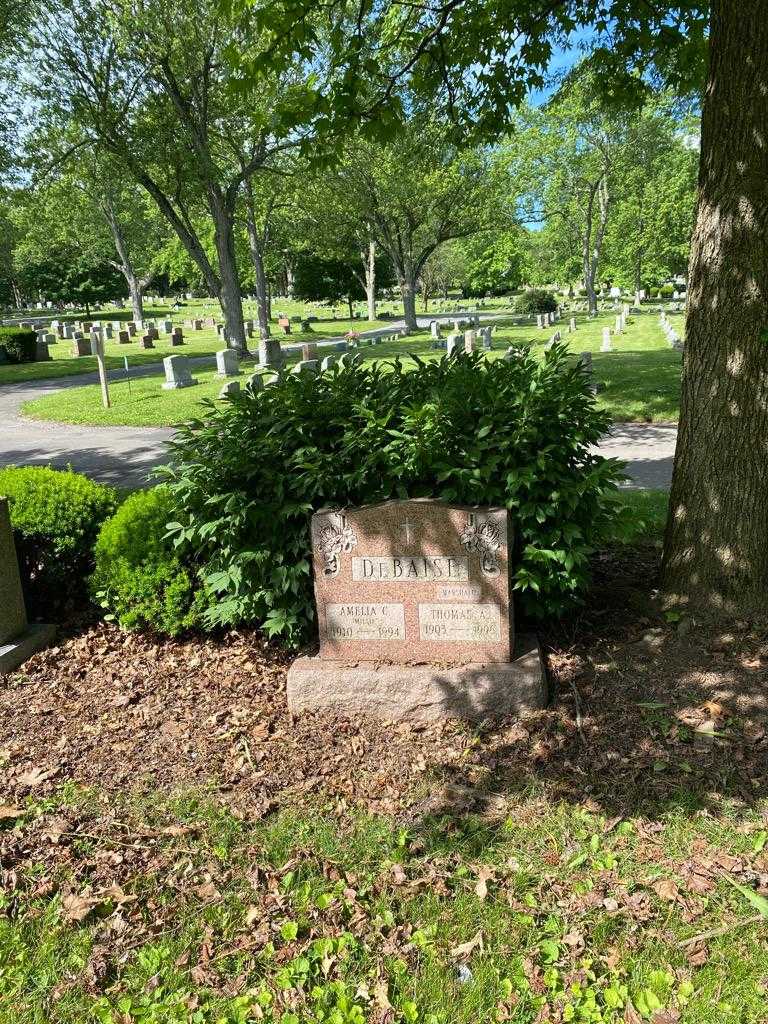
[(174, 847)]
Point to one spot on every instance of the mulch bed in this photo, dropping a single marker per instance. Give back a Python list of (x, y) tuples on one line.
[(634, 697)]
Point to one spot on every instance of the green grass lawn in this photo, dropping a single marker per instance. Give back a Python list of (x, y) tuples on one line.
[(181, 912), (640, 379)]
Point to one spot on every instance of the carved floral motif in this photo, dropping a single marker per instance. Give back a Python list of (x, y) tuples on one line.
[(335, 540), (484, 538)]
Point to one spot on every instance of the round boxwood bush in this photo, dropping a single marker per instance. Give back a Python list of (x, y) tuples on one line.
[(139, 578), (19, 344), (536, 301), (56, 516), (246, 480)]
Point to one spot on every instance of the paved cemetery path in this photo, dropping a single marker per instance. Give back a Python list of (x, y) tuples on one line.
[(125, 455)]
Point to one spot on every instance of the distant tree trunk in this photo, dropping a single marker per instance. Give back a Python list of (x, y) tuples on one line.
[(136, 292), (230, 296), (594, 232), (351, 307), (716, 544), (407, 281), (124, 264), (257, 258), (289, 286), (256, 243), (18, 298), (369, 264)]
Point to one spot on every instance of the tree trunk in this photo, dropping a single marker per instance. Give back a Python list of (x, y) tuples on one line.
[(18, 298), (230, 297), (407, 280), (256, 244), (592, 246), (288, 281), (257, 258), (350, 305), (716, 544), (136, 291), (125, 264), (369, 264)]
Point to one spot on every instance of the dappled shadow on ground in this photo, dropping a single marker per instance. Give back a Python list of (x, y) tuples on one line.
[(103, 463), (669, 718), (646, 717)]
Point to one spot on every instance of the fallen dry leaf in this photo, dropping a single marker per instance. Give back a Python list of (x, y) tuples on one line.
[(466, 949), (381, 995), (9, 812), (666, 889), (484, 875), (36, 776), (76, 908)]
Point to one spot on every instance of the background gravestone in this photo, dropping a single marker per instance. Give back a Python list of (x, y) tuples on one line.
[(415, 616), (18, 640)]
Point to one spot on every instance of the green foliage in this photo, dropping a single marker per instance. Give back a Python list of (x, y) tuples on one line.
[(139, 579), (517, 433), (536, 300), (493, 263), (55, 516), (18, 343)]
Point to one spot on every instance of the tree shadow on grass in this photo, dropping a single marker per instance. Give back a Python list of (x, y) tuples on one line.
[(647, 717)]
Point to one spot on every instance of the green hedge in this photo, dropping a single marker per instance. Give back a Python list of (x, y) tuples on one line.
[(56, 516), (246, 480), (536, 301), (139, 579), (19, 344)]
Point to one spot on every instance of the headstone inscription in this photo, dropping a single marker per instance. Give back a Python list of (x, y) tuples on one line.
[(415, 615), (18, 640)]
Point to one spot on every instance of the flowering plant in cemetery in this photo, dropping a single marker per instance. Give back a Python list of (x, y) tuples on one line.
[(246, 479)]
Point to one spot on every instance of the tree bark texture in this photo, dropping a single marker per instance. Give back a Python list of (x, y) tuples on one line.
[(230, 297), (716, 544)]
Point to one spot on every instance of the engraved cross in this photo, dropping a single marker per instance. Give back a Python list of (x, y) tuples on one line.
[(407, 527)]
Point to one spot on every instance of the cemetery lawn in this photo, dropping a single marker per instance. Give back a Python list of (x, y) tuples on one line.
[(177, 849), (640, 380)]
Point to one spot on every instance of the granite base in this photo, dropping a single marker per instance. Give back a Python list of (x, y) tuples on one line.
[(422, 692), (16, 651)]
